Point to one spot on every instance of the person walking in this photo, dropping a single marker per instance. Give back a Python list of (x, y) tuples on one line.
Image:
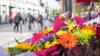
[(0, 19), (17, 20), (40, 21), (31, 18)]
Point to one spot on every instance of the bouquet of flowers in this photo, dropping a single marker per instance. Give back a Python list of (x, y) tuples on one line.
[(85, 35)]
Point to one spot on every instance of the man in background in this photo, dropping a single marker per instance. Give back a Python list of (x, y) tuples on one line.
[(17, 21)]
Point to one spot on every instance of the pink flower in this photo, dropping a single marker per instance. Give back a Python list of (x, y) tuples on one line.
[(36, 37), (48, 51), (79, 20), (57, 24)]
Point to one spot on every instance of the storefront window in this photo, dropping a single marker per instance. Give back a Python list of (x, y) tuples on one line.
[(4, 11), (0, 9)]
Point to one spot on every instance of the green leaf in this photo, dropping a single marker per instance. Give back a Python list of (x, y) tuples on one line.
[(34, 47), (15, 51), (17, 41)]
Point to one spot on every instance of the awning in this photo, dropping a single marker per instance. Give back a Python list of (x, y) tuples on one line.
[(86, 1)]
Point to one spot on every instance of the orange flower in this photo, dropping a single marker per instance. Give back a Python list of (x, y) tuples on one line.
[(89, 27), (45, 31), (68, 40)]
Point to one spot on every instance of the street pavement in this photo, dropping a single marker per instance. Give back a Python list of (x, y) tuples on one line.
[(8, 35)]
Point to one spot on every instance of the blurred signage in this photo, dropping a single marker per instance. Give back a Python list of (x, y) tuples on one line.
[(86, 1)]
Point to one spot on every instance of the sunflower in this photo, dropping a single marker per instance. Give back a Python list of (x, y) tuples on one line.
[(68, 40)]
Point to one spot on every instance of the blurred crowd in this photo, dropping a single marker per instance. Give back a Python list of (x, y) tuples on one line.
[(19, 20)]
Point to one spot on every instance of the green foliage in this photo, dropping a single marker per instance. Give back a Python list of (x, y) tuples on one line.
[(15, 51), (55, 11), (34, 47), (82, 39), (17, 41)]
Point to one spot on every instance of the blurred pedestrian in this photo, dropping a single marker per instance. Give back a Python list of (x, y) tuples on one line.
[(0, 18), (10, 20), (6, 19), (31, 21), (17, 21), (40, 20)]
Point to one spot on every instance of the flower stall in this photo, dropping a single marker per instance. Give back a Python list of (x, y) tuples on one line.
[(72, 39)]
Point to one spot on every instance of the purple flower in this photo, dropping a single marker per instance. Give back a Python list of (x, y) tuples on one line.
[(45, 38), (64, 28), (56, 36), (28, 40)]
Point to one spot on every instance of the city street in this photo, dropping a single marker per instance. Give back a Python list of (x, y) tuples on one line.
[(50, 27), (7, 34)]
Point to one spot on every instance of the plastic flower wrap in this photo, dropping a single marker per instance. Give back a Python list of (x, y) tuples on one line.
[(48, 51), (68, 40)]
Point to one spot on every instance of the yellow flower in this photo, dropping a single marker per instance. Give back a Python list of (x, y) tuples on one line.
[(23, 46), (61, 32), (49, 29), (7, 49), (71, 26), (87, 32), (47, 44), (54, 43)]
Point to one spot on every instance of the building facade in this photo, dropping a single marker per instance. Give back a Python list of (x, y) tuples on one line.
[(11, 7), (75, 6)]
